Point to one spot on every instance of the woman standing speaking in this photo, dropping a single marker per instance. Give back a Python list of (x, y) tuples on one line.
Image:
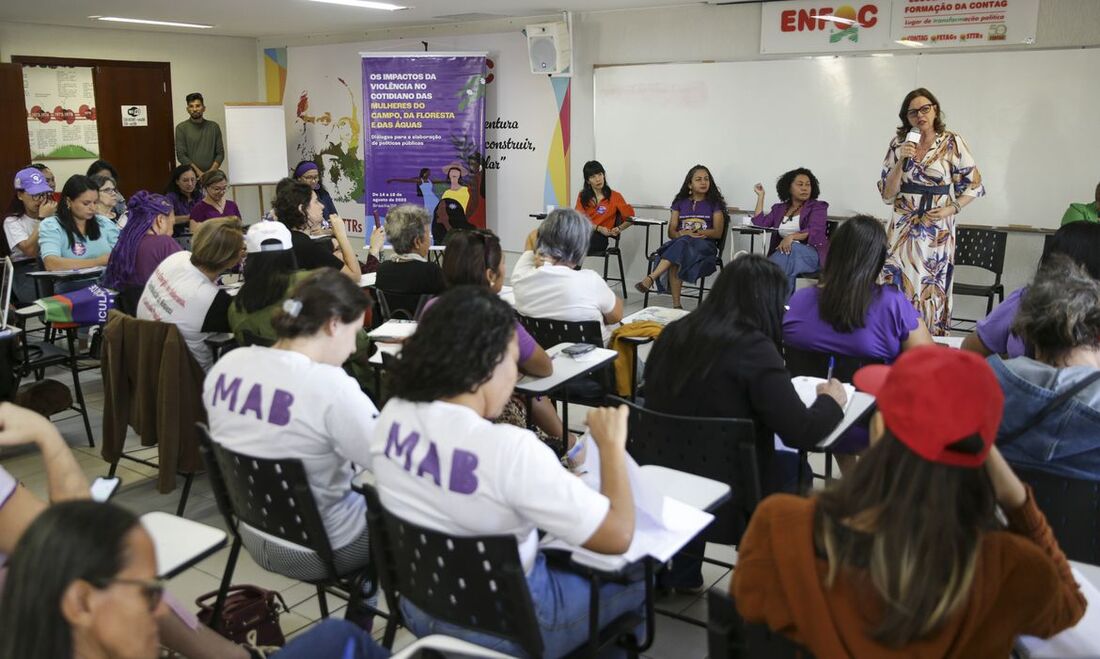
[(928, 176)]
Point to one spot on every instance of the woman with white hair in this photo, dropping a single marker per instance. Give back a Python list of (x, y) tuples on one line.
[(547, 283), (408, 272)]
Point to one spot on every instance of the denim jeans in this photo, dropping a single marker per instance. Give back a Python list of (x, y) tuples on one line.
[(334, 638), (801, 260), (561, 605)]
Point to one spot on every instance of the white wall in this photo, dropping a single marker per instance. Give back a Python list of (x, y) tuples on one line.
[(222, 68)]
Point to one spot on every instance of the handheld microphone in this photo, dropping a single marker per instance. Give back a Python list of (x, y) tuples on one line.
[(914, 137)]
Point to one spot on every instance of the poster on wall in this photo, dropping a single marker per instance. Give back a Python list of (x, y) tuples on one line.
[(936, 23), (526, 128), (61, 113), (424, 137)]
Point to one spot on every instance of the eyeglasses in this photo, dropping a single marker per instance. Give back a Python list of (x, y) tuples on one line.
[(922, 110), (310, 177), (108, 190), (218, 188), (152, 591)]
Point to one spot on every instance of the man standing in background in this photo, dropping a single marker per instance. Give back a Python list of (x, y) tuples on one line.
[(199, 140)]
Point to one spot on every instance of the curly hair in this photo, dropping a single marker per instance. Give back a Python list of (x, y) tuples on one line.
[(714, 195), (1061, 311), (783, 185), (456, 347), (291, 202)]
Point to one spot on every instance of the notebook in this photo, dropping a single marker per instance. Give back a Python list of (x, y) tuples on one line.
[(858, 404), (8, 279)]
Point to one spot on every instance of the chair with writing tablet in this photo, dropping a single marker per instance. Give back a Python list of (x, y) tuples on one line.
[(400, 306), (274, 497), (476, 582), (1072, 508), (983, 249), (717, 448), (730, 637), (612, 249)]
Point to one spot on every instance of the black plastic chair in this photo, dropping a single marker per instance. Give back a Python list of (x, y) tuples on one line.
[(729, 637), (816, 364), (406, 306), (717, 448), (273, 496), (985, 249), (830, 226), (474, 582), (612, 249), (1072, 508), (591, 391)]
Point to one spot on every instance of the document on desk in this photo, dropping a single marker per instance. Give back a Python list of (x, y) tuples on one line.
[(75, 271), (1082, 640), (858, 404), (393, 329), (660, 315), (662, 525)]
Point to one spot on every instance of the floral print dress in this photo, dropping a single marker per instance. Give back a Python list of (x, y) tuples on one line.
[(921, 259)]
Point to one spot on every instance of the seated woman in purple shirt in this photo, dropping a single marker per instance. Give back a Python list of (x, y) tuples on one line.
[(184, 192), (994, 336), (213, 204), (849, 313), (475, 258), (695, 227), (798, 244), (145, 241)]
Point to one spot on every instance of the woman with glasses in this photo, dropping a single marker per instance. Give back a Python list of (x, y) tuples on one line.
[(184, 192), (927, 181), (214, 204), (104, 168), (107, 202), (307, 172)]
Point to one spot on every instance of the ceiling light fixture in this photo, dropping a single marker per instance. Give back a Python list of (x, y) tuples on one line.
[(142, 21), (365, 4)]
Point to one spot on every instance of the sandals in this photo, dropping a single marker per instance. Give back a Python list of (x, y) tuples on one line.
[(641, 287)]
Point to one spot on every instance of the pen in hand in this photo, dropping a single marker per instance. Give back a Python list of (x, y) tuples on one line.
[(832, 363)]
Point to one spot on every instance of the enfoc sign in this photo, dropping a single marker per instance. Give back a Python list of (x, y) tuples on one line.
[(812, 26)]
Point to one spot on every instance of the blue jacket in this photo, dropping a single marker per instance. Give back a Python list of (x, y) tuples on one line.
[(1067, 442)]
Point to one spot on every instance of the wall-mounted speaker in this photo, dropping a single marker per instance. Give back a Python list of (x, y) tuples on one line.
[(549, 48)]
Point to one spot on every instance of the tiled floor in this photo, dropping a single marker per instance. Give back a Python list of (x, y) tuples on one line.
[(138, 493)]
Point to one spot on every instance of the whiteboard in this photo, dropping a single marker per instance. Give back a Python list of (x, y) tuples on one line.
[(255, 143), (1029, 117)]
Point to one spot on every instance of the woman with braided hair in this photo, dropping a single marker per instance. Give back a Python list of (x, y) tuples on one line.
[(145, 241)]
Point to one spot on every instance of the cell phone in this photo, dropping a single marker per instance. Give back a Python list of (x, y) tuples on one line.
[(578, 349), (104, 488)]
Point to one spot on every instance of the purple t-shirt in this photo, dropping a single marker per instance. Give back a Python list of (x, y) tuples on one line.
[(995, 330), (526, 342), (695, 215), (151, 251), (203, 211), (182, 205), (889, 320)]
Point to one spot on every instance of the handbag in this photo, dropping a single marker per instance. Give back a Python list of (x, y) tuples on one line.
[(1050, 407), (250, 613)]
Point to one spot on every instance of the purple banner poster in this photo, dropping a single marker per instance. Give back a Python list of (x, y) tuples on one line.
[(425, 136)]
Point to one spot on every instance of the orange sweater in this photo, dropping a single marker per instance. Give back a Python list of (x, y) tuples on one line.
[(1022, 585), (604, 213)]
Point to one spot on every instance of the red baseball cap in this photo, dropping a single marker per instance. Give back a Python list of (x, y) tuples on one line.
[(933, 397)]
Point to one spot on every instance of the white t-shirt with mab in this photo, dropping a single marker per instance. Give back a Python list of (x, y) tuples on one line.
[(179, 293), (279, 404), (441, 466), (18, 229), (561, 293)]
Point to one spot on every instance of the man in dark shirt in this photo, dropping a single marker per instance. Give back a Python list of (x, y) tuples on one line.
[(199, 140)]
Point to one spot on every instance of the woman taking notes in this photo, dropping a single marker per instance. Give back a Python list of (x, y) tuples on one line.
[(605, 208), (799, 244), (697, 221), (928, 176), (76, 237)]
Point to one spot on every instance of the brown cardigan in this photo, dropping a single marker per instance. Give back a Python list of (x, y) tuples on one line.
[(152, 384), (1022, 585)]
